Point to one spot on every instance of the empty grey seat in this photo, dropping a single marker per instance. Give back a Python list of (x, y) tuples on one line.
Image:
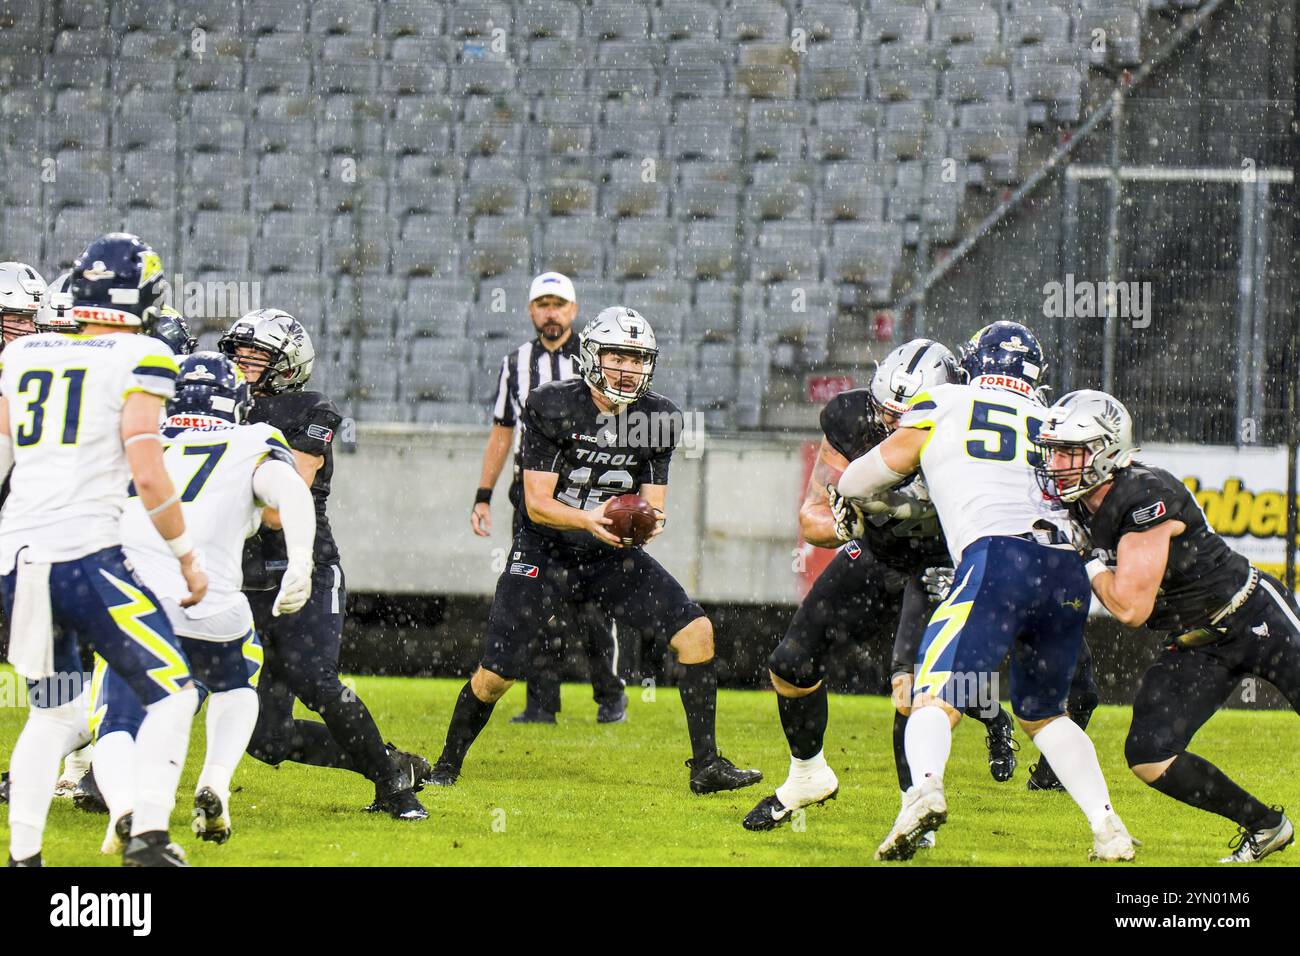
[(302, 296), (285, 181), (866, 254), (79, 13), (421, 124), (78, 121), (146, 45), (208, 182), (427, 246), (662, 296), (848, 195), (637, 188), (766, 71), (434, 306), (828, 21), (1055, 89), (616, 21), (74, 229), (148, 178), (398, 18), (218, 241), (566, 196), (482, 78), (696, 68), (560, 139), (800, 311), (216, 121), (834, 71), (548, 18), (80, 180), (707, 200), (500, 244), (342, 16), (276, 16), (494, 187), (714, 313), (896, 23), (624, 69), (1044, 25), (478, 19), (76, 71), (748, 20), (834, 141), (488, 138), (708, 141), (708, 250), (643, 249), (573, 247), (291, 242), (358, 244), (85, 42), (677, 20), (972, 25), (284, 122), (775, 131), (404, 77), (556, 66), (212, 73), (976, 85), (778, 200)]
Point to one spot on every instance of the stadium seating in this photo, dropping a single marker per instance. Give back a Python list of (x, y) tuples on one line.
[(708, 159)]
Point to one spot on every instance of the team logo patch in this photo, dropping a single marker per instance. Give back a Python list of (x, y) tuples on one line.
[(852, 550), (1149, 513), (320, 433), (524, 570)]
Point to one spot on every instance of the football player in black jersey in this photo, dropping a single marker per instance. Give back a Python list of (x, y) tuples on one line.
[(875, 579), (587, 441), (1155, 561), (302, 649)]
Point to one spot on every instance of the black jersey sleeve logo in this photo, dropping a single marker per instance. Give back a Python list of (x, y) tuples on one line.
[(1149, 513), (320, 433)]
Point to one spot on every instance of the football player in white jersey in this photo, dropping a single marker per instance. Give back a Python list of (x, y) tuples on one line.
[(1019, 585), (227, 472), (79, 419)]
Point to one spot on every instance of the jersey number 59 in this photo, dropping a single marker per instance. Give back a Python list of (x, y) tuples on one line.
[(1002, 428)]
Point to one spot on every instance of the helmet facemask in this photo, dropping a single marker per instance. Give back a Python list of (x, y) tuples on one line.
[(14, 325), (613, 379)]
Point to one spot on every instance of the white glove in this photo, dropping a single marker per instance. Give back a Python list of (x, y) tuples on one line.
[(849, 523), (938, 582), (295, 586)]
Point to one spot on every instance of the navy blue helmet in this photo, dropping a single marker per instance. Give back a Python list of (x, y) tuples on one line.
[(210, 384), (169, 327), (1007, 349), (115, 280)]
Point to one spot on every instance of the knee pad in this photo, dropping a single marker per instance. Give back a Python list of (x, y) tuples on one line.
[(794, 665)]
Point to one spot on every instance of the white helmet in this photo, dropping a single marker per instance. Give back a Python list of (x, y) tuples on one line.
[(906, 372), (284, 342), (1095, 423), (621, 329), (22, 293), (55, 314)]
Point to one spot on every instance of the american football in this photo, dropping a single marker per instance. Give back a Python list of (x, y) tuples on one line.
[(650, 434)]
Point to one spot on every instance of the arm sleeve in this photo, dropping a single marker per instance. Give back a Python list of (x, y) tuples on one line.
[(541, 449), (313, 432), (279, 485), (503, 412)]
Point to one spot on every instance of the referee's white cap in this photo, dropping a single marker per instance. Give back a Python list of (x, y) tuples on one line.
[(552, 283)]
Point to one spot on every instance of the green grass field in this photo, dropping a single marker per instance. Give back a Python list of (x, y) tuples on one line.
[(583, 794)]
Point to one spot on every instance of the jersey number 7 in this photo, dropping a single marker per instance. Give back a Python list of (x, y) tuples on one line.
[(211, 455)]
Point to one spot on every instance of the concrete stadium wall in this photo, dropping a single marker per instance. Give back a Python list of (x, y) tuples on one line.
[(400, 509)]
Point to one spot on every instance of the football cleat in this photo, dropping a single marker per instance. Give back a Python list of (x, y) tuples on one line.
[(211, 819), (718, 774), (772, 811), (1251, 846), (1112, 842), (413, 767), (533, 717), (925, 809), (117, 835), (399, 804), (927, 841), (1043, 777), (615, 713), (86, 795), (33, 860), (4, 787), (153, 849), (444, 774), (1002, 747)]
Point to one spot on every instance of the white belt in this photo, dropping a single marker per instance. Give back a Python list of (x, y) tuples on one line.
[(1238, 599)]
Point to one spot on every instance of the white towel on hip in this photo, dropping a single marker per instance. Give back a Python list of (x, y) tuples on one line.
[(31, 633)]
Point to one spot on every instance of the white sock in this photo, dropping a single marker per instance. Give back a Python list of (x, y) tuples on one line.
[(77, 763), (800, 770), (161, 745), (1073, 757), (49, 734), (232, 715), (928, 742), (115, 772)]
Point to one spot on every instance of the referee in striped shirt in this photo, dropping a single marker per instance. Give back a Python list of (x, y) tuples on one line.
[(552, 307)]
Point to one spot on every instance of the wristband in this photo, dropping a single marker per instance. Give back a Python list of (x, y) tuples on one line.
[(1094, 568), (181, 545), (483, 496)]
